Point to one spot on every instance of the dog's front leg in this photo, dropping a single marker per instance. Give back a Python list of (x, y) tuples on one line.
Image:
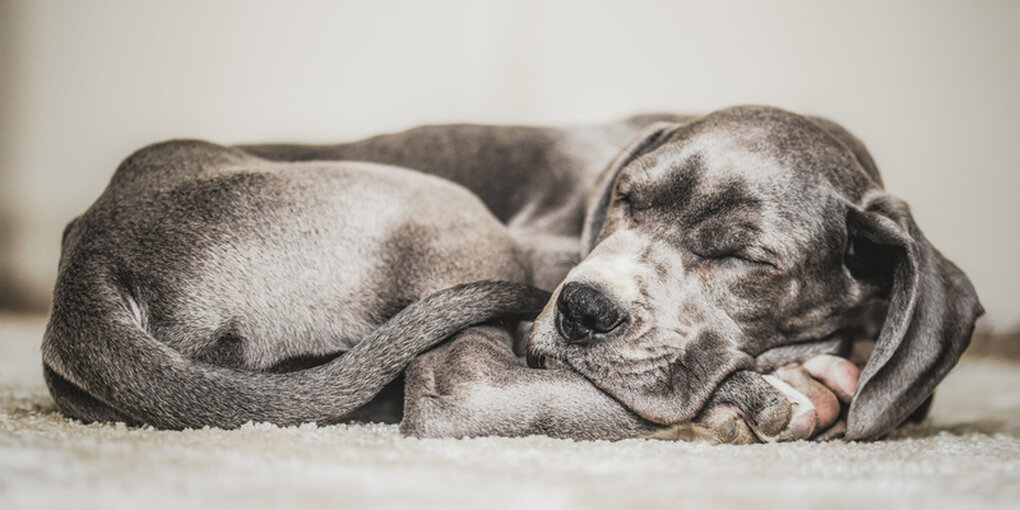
[(474, 385)]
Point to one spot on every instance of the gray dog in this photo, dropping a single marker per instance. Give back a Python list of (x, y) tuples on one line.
[(212, 285)]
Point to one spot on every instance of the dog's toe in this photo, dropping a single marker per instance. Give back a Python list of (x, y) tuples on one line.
[(837, 374), (822, 399)]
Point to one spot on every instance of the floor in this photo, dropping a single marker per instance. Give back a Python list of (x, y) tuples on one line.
[(966, 456)]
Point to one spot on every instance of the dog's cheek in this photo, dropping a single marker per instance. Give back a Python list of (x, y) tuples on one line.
[(757, 293), (819, 302), (770, 308)]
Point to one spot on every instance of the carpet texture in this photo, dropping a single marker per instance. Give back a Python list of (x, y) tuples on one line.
[(967, 455)]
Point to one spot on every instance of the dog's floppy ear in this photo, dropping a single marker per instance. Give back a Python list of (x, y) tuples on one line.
[(932, 309), (598, 200)]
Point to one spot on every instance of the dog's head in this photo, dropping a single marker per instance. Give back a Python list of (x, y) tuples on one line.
[(709, 243)]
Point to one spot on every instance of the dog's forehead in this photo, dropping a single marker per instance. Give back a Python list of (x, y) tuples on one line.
[(712, 176), (742, 186), (784, 159), (707, 159), (770, 147)]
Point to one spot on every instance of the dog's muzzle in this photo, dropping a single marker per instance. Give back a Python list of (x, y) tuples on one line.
[(584, 315)]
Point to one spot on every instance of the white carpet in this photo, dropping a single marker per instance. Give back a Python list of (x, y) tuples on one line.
[(966, 456)]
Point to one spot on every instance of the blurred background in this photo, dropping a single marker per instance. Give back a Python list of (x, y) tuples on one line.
[(930, 86)]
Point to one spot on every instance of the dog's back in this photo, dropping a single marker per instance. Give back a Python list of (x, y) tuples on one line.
[(199, 258)]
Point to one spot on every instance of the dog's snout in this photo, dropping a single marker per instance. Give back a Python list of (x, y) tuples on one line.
[(585, 315)]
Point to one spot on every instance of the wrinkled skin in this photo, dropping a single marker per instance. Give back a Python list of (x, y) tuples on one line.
[(749, 239)]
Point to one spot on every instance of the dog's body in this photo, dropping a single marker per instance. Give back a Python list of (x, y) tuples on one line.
[(207, 264), (200, 260), (203, 267)]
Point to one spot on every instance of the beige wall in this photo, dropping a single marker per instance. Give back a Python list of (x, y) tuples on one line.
[(930, 86)]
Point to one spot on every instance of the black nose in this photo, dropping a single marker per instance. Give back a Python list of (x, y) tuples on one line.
[(585, 315)]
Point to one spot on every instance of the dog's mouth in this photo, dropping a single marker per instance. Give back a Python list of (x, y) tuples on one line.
[(541, 361), (539, 354), (535, 359), (662, 378)]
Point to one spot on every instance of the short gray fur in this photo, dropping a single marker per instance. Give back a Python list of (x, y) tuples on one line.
[(203, 269)]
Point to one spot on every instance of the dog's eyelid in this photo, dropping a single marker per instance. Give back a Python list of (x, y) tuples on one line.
[(759, 263), (763, 255), (627, 203), (746, 256)]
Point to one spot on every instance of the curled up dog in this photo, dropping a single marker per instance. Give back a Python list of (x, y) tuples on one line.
[(215, 285)]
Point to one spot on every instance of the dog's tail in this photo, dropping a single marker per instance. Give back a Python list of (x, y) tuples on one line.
[(96, 347)]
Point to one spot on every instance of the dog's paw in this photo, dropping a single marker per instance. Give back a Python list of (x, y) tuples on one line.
[(818, 392), (798, 401)]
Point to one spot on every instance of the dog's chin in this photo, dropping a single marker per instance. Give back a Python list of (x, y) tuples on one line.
[(643, 398), (641, 387), (652, 389), (631, 395)]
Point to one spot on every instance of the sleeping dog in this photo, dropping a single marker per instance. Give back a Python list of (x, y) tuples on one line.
[(216, 285)]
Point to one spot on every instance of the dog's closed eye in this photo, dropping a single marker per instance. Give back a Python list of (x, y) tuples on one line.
[(743, 262), (737, 258)]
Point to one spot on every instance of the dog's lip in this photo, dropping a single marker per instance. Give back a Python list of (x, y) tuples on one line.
[(535, 359), (534, 352)]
